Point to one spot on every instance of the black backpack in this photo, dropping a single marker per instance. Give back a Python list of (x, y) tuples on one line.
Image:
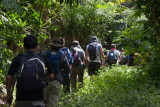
[(123, 60), (93, 51), (131, 61), (31, 73)]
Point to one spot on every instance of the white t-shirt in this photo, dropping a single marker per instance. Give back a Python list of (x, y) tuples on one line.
[(117, 53)]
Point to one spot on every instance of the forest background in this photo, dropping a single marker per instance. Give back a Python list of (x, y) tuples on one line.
[(132, 24)]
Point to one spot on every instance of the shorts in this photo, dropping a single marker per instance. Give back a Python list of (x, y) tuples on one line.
[(93, 68)]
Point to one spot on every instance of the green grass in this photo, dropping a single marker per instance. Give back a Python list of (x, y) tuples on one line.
[(117, 87)]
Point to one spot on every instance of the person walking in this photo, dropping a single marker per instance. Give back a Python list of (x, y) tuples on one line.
[(61, 67), (66, 79), (79, 63), (29, 68), (123, 58), (113, 56), (130, 59), (94, 56)]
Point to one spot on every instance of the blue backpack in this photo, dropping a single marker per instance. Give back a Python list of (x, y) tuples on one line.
[(54, 58), (31, 73), (112, 57), (67, 54)]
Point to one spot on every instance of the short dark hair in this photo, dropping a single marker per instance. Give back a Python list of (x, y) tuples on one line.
[(30, 42), (62, 40), (113, 45)]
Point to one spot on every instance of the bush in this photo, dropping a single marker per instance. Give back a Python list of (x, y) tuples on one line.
[(119, 86)]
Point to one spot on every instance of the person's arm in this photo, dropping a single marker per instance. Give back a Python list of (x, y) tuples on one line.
[(10, 80), (87, 57), (8, 88), (84, 59), (102, 56), (119, 57), (128, 60), (107, 56)]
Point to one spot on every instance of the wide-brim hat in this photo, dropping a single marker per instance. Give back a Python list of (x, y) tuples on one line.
[(77, 48), (55, 42), (75, 43)]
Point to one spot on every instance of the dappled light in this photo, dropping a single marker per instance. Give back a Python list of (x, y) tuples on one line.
[(129, 77)]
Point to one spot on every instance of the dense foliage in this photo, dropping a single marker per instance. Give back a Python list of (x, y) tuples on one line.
[(132, 24), (120, 86), (50, 19)]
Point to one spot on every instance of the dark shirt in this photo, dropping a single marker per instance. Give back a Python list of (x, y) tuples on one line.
[(22, 95)]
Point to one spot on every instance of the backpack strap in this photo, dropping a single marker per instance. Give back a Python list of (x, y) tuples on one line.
[(99, 48)]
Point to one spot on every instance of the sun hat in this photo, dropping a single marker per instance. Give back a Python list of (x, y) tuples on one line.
[(76, 46), (55, 42), (75, 43)]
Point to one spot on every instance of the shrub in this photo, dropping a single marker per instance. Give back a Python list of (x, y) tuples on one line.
[(119, 86)]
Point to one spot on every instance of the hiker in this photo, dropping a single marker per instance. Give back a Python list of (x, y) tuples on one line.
[(136, 59), (95, 56), (66, 79), (113, 56), (79, 63), (105, 51), (123, 57), (143, 58), (61, 67), (29, 68), (130, 59)]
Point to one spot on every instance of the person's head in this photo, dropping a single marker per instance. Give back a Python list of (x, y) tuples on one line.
[(30, 42), (113, 45), (122, 50), (75, 43), (104, 44), (94, 39), (62, 41), (55, 44)]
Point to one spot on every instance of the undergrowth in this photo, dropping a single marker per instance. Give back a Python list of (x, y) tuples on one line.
[(120, 86)]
